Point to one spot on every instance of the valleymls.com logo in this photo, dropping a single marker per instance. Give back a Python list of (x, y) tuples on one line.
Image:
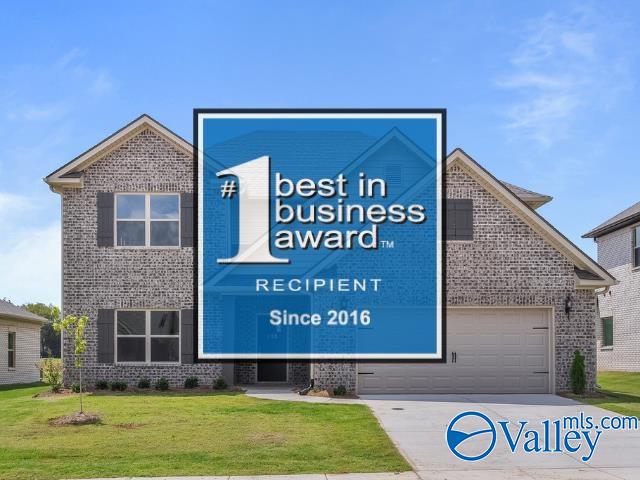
[(472, 436), (254, 229)]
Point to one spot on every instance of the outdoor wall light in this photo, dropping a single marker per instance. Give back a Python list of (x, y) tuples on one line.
[(568, 304)]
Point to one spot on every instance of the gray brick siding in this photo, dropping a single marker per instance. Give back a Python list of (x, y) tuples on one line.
[(507, 264), (622, 302)]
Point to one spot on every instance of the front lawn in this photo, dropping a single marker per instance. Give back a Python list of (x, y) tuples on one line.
[(619, 392), (187, 434)]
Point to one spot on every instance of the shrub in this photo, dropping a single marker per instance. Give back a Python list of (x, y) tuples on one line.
[(220, 384), (340, 390), (118, 386), (75, 388), (51, 369), (162, 384), (102, 385), (144, 383), (578, 375), (191, 382)]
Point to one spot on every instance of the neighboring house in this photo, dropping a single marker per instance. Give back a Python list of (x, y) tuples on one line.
[(618, 326), (520, 296), (19, 344)]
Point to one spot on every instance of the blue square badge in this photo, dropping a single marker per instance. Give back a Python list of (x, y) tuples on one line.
[(319, 234)]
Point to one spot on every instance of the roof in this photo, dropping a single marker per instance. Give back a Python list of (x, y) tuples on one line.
[(9, 310), (624, 218), (71, 173), (531, 198), (599, 276)]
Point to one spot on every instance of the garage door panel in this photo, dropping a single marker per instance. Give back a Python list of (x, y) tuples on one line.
[(497, 351)]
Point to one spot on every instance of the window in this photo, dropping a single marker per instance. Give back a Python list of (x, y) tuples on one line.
[(459, 219), (636, 246), (11, 344), (607, 332), (148, 336), (147, 220)]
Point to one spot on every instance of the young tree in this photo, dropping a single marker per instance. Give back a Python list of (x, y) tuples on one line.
[(75, 328)]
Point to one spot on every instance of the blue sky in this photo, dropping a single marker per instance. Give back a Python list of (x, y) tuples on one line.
[(543, 94)]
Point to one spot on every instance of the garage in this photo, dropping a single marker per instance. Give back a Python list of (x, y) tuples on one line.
[(497, 350)]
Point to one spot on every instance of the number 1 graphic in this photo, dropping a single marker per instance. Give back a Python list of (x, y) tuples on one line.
[(254, 230)]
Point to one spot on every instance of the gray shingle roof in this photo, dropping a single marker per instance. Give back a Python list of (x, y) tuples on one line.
[(534, 199), (622, 219), (8, 309)]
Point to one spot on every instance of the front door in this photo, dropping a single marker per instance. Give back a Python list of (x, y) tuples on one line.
[(274, 339), (272, 371)]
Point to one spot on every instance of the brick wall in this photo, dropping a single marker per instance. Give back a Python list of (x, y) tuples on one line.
[(27, 352), (97, 278), (507, 264), (622, 302)]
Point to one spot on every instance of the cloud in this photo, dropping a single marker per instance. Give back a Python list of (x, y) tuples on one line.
[(101, 85), (31, 266), (560, 66)]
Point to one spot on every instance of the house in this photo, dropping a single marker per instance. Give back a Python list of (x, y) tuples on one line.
[(520, 296), (19, 344), (618, 324)]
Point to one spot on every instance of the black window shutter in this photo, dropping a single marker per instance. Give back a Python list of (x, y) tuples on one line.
[(459, 219), (106, 337), (186, 335), (105, 219), (186, 219)]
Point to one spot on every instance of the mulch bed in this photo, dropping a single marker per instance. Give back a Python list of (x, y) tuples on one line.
[(75, 419)]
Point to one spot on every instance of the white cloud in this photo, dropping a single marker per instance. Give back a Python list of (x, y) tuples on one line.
[(563, 65), (31, 266), (101, 85)]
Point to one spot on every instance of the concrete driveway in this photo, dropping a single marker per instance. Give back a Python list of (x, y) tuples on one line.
[(417, 424)]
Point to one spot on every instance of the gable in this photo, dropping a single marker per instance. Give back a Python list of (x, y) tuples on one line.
[(71, 174), (460, 161)]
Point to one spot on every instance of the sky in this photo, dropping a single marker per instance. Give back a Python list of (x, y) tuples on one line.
[(542, 94)]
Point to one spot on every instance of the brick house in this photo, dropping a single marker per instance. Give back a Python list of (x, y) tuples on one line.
[(520, 296), (618, 325), (19, 344)]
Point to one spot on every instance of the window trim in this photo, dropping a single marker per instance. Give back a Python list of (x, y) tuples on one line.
[(13, 350), (634, 247), (147, 221), (602, 341), (147, 336)]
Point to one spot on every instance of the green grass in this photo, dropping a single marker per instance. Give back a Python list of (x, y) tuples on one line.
[(619, 392), (187, 434)]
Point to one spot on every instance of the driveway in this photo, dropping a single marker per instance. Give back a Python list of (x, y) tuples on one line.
[(417, 424)]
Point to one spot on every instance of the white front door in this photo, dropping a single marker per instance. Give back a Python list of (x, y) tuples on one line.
[(498, 350)]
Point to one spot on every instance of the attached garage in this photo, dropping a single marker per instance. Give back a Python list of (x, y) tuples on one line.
[(488, 350)]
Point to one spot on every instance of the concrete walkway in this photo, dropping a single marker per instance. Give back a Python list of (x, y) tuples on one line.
[(417, 425)]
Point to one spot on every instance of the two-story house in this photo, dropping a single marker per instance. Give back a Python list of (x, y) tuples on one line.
[(520, 296), (618, 326)]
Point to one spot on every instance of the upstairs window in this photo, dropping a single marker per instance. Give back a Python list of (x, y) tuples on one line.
[(147, 220), (607, 332), (459, 219), (636, 246), (11, 350)]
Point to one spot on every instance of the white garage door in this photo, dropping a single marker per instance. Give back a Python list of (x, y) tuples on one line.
[(488, 351)]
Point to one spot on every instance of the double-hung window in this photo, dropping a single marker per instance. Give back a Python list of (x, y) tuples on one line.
[(636, 246), (147, 336), (11, 350), (147, 220)]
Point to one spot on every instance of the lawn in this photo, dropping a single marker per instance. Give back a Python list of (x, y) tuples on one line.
[(619, 392), (187, 434)]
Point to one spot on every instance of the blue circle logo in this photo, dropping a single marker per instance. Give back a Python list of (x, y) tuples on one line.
[(471, 436)]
